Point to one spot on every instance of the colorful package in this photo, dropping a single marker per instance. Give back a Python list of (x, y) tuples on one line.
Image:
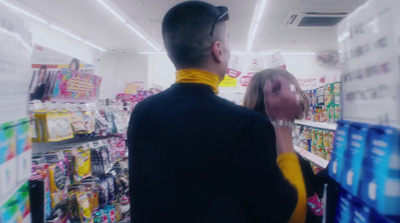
[(83, 164), (42, 172), (23, 149), (23, 200), (111, 189), (58, 126), (328, 94), (103, 193), (344, 208), (85, 210), (331, 113), (353, 157), (58, 175), (9, 212), (340, 145), (324, 114), (336, 92), (338, 112), (380, 183), (8, 162)]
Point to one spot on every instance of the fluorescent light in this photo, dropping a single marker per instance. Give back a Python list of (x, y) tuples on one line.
[(24, 12), (112, 11), (94, 46), (136, 31), (153, 45), (259, 11), (65, 32)]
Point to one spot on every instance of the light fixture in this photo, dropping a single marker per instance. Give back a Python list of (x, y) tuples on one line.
[(65, 32), (24, 12), (112, 11), (259, 10), (137, 32), (94, 46), (298, 53)]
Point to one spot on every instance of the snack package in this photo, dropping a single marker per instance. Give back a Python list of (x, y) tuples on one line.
[(317, 114), (328, 94), (320, 138), (41, 171), (336, 92), (338, 112), (83, 164), (58, 126), (111, 189), (85, 210), (103, 193), (325, 134), (331, 113), (8, 161), (58, 176)]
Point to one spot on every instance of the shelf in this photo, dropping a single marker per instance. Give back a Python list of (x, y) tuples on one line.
[(320, 125), (312, 157), (41, 147), (12, 193)]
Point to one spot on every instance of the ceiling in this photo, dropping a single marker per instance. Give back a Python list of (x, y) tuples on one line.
[(90, 20)]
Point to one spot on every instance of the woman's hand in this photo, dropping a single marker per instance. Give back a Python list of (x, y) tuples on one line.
[(281, 99)]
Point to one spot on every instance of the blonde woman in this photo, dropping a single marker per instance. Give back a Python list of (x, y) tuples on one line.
[(260, 93)]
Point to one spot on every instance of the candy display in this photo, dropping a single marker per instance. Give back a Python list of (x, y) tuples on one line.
[(85, 181), (325, 103), (316, 141)]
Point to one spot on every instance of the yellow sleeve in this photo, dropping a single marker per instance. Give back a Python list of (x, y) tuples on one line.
[(290, 167)]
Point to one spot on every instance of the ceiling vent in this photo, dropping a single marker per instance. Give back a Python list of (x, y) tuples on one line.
[(312, 19)]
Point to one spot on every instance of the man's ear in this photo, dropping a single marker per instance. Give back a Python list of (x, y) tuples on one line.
[(217, 51)]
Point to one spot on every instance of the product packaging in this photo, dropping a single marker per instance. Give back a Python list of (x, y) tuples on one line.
[(328, 94), (380, 182), (344, 208), (353, 157), (23, 149), (8, 162), (58, 176), (324, 114), (336, 92), (83, 163), (340, 145), (338, 112)]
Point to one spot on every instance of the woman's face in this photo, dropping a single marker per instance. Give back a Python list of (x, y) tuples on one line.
[(42, 74), (72, 66)]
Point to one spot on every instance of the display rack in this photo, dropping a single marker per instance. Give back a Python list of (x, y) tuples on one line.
[(312, 157), (320, 125)]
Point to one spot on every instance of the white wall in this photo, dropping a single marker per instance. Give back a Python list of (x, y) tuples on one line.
[(303, 66), (131, 67)]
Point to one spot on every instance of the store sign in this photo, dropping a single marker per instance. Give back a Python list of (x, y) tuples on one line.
[(75, 86), (245, 80), (234, 67), (276, 61), (369, 46), (228, 82)]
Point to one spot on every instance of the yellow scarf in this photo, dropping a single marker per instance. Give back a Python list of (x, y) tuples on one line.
[(198, 77)]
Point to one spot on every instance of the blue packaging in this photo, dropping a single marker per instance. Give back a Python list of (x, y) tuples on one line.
[(344, 208), (381, 175), (353, 158), (361, 213), (340, 145)]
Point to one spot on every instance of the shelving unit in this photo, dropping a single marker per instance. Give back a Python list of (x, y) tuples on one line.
[(312, 157), (320, 125)]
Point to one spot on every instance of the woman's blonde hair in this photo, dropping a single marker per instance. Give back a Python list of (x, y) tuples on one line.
[(254, 98)]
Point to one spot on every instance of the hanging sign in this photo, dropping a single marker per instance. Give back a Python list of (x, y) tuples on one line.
[(234, 67), (228, 82), (276, 61)]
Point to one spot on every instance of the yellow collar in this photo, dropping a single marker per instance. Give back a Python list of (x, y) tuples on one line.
[(198, 77)]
